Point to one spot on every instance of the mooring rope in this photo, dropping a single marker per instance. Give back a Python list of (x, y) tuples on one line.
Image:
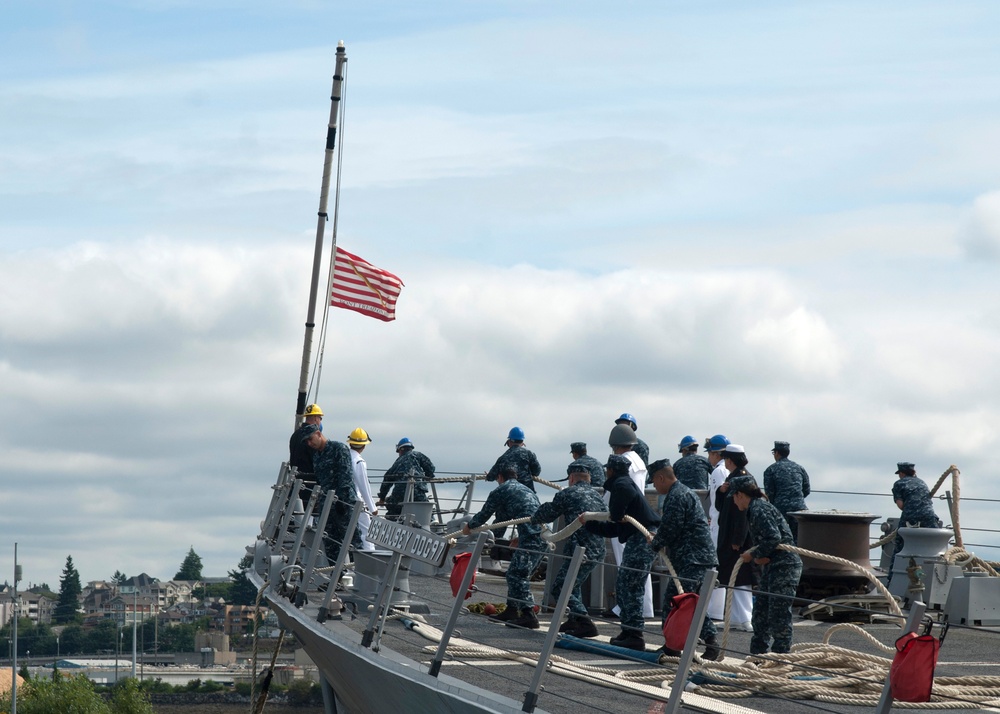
[(968, 561), (257, 705), (854, 677), (482, 477), (893, 605)]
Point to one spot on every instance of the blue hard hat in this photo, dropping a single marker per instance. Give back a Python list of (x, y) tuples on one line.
[(686, 442), (717, 443), (516, 434), (405, 441), (629, 418)]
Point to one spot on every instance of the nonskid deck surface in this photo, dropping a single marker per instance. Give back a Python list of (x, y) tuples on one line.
[(966, 652)]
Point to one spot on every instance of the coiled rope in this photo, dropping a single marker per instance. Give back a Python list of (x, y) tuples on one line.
[(854, 677)]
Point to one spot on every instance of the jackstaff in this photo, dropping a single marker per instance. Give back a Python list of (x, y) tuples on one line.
[(331, 136)]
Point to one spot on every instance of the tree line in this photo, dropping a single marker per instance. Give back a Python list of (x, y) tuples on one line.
[(107, 636)]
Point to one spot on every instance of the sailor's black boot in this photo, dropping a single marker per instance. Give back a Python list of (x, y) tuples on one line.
[(510, 613), (630, 639), (712, 650), (584, 627), (525, 619), (569, 625)]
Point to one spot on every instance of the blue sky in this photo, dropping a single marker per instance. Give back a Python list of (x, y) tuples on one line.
[(774, 220)]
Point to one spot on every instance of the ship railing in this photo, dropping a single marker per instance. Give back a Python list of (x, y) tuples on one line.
[(302, 558)]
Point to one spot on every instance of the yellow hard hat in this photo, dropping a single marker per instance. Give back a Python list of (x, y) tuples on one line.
[(313, 410), (358, 436)]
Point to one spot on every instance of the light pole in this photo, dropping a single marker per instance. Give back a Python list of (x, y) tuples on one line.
[(118, 654), (13, 665), (135, 600), (57, 647)]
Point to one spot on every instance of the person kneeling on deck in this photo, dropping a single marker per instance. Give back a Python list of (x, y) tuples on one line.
[(569, 503), (637, 557), (684, 530), (509, 501), (781, 571)]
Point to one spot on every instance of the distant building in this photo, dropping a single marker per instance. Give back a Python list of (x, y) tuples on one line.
[(6, 604), (235, 620), (96, 596), (126, 609), (37, 607)]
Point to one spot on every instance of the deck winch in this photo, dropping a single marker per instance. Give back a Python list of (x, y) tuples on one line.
[(843, 534)]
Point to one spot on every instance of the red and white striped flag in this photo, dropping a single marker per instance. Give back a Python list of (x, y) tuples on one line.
[(360, 286)]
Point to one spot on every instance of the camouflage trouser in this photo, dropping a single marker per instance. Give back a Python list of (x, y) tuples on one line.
[(637, 558), (522, 565), (336, 530), (793, 525), (772, 607), (394, 503), (593, 557), (691, 578), (398, 494), (897, 545)]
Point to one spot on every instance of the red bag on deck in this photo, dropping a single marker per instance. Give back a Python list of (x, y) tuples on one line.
[(678, 623), (461, 562), (911, 675)]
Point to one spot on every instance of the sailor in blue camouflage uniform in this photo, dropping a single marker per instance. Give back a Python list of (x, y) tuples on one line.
[(518, 457), (578, 450), (409, 464), (780, 571), (913, 499), (786, 485), (691, 469), (299, 454), (508, 501), (334, 474), (627, 500), (569, 503), (683, 530), (641, 447)]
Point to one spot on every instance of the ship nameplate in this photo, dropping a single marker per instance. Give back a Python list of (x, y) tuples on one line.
[(415, 543)]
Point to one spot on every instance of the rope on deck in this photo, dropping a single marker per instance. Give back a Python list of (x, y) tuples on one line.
[(850, 677)]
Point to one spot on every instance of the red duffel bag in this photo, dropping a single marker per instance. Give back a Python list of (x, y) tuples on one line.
[(911, 675), (461, 562), (678, 623)]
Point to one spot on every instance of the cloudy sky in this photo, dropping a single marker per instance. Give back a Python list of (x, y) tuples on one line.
[(775, 220)]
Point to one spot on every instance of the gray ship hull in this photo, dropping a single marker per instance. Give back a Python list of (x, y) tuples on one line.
[(383, 681)]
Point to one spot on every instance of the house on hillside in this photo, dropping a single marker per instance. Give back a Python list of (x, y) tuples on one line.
[(6, 604), (37, 607), (96, 596), (126, 609)]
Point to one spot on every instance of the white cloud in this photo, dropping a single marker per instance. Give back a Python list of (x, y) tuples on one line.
[(981, 235), (739, 221)]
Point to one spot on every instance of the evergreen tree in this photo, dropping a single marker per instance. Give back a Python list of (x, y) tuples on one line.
[(119, 578), (190, 568), (66, 610), (242, 591)]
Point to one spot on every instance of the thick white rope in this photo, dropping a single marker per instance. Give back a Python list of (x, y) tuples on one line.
[(855, 678)]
